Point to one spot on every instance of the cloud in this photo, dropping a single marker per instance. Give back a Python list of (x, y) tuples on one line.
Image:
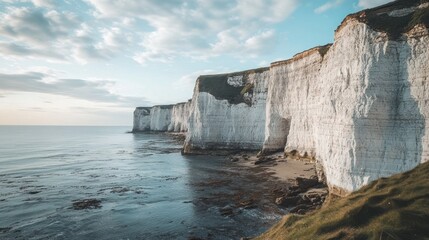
[(17, 50), (44, 3), (36, 27), (40, 82), (146, 31), (266, 10), (327, 6), (186, 84), (188, 81), (197, 28), (50, 34), (372, 3), (260, 43)]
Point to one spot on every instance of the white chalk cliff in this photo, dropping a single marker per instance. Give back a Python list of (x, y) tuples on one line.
[(228, 111), (141, 119), (173, 118), (359, 107), (179, 117)]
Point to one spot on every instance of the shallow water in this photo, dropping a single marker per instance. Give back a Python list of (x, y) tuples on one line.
[(148, 190)]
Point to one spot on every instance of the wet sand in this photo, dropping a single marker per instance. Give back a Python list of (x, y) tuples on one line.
[(283, 168)]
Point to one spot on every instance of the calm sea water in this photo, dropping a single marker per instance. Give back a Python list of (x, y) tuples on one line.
[(147, 189)]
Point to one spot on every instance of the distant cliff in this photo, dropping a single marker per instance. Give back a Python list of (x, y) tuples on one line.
[(162, 118), (358, 107), (228, 111)]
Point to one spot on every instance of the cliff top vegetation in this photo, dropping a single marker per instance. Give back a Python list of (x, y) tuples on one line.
[(381, 19), (217, 85), (165, 106), (322, 50)]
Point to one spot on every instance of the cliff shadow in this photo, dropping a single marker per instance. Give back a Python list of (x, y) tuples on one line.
[(278, 132)]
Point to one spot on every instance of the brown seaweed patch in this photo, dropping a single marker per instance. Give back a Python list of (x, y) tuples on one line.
[(91, 203)]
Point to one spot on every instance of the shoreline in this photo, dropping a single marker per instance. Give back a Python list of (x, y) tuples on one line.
[(300, 191), (291, 184), (283, 168)]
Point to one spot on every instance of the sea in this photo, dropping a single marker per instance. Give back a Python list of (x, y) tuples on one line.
[(142, 186)]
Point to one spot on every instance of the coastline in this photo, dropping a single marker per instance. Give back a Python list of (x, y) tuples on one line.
[(290, 184), (283, 168)]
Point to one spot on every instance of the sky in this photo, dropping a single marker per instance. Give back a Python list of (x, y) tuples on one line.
[(91, 62)]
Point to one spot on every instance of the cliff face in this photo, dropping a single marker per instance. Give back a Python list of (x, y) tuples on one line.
[(361, 109), (141, 119), (228, 111), (173, 118), (293, 102), (358, 107), (179, 117), (160, 117)]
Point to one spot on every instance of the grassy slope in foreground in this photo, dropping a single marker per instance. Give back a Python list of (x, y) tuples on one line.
[(389, 208)]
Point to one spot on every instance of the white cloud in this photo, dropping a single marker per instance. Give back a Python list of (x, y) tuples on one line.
[(154, 30), (227, 41), (372, 3), (188, 81), (8, 49), (260, 43), (36, 27), (53, 35), (185, 84), (147, 56), (45, 81), (329, 5), (199, 28), (44, 3), (266, 10)]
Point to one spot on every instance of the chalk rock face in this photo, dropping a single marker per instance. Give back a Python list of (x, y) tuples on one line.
[(179, 117), (293, 102), (228, 111), (141, 119), (358, 107), (162, 118), (361, 109)]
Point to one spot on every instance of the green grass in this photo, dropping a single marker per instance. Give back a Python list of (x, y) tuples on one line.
[(218, 86), (387, 209), (165, 106), (248, 88)]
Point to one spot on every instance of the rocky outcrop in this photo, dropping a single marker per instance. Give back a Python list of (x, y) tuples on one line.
[(228, 111)]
